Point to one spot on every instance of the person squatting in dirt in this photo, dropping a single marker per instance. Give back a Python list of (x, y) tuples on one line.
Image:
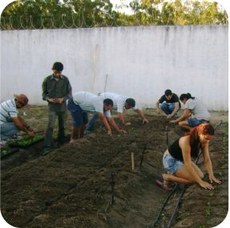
[(195, 112), (168, 104), (177, 159), (56, 89), (10, 120), (120, 104), (84, 102)]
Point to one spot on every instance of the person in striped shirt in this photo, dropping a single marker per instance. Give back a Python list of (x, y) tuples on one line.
[(10, 121)]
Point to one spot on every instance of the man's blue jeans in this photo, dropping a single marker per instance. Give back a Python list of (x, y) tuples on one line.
[(167, 108), (8, 130), (91, 124)]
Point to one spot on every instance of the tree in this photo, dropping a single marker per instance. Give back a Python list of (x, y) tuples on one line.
[(179, 12), (31, 14)]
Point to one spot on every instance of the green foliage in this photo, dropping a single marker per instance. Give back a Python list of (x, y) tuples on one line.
[(26, 141), (31, 14), (179, 12)]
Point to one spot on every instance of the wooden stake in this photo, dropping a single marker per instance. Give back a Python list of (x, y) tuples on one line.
[(132, 161)]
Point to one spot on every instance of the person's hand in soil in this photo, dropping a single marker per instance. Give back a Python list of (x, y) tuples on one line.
[(206, 185), (31, 133), (213, 179), (122, 131), (109, 132), (169, 116), (145, 121)]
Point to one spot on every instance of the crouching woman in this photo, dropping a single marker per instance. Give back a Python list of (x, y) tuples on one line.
[(178, 159)]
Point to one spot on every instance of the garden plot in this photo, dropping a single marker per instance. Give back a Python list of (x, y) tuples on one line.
[(90, 183)]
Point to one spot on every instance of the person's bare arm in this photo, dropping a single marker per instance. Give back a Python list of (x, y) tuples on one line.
[(186, 114), (113, 123), (142, 115), (21, 124), (158, 107), (103, 119), (121, 116), (186, 152), (159, 111), (208, 164), (176, 108)]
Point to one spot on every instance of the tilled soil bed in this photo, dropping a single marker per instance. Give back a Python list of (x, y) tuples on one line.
[(91, 183)]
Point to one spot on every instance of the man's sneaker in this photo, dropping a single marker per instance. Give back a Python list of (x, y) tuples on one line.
[(3, 143), (46, 151), (87, 132)]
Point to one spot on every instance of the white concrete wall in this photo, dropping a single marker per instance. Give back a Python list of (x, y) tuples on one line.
[(139, 62)]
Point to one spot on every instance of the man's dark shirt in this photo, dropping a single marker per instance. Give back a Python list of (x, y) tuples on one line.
[(172, 100), (56, 88)]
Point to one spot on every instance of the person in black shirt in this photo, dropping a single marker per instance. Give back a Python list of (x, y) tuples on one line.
[(177, 160), (168, 104)]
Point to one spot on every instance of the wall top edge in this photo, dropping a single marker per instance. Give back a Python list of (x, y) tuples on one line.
[(121, 27)]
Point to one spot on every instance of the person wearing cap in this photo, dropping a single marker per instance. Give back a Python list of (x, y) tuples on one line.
[(168, 104), (56, 89), (84, 102), (120, 104), (10, 121)]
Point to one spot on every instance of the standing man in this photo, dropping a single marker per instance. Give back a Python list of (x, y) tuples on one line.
[(168, 104), (56, 89), (10, 122), (120, 104), (84, 102)]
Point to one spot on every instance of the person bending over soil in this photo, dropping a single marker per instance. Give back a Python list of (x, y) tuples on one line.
[(195, 112), (10, 120), (177, 160), (84, 102)]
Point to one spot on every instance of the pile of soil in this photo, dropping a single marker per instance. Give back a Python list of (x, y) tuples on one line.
[(90, 183)]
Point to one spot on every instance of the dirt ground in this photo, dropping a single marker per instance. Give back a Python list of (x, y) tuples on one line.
[(91, 183)]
